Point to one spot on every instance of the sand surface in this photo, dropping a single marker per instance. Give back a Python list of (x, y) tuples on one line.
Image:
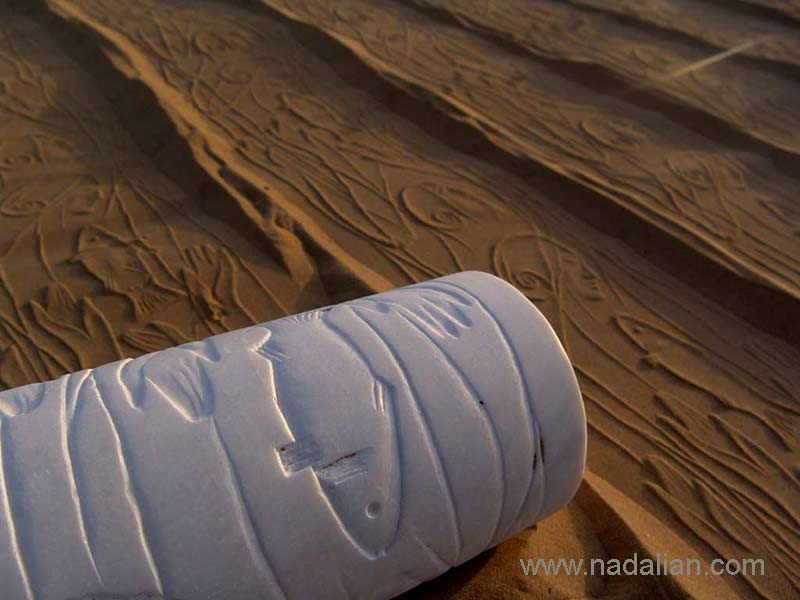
[(174, 169), (789, 8), (778, 39)]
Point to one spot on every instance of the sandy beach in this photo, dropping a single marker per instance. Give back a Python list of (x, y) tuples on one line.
[(175, 169)]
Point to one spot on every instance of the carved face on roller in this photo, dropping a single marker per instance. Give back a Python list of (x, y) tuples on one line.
[(341, 429), (20, 400)]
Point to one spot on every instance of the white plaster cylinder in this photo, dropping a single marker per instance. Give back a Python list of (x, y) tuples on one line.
[(347, 452)]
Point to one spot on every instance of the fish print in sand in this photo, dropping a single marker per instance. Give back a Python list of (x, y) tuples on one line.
[(678, 356)]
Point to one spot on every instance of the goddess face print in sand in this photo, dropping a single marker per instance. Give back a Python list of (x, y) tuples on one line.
[(446, 206), (546, 269)]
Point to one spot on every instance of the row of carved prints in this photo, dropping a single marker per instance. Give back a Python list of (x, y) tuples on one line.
[(776, 41), (101, 256), (732, 205), (746, 96)]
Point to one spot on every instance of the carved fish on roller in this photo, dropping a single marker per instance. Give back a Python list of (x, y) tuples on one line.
[(352, 450), (355, 449)]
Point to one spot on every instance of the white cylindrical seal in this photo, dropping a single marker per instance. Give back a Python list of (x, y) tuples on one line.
[(347, 452)]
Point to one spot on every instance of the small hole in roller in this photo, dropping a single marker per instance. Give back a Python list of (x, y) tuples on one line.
[(373, 509)]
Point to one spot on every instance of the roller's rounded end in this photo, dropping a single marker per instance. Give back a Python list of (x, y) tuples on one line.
[(563, 425), (556, 400)]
